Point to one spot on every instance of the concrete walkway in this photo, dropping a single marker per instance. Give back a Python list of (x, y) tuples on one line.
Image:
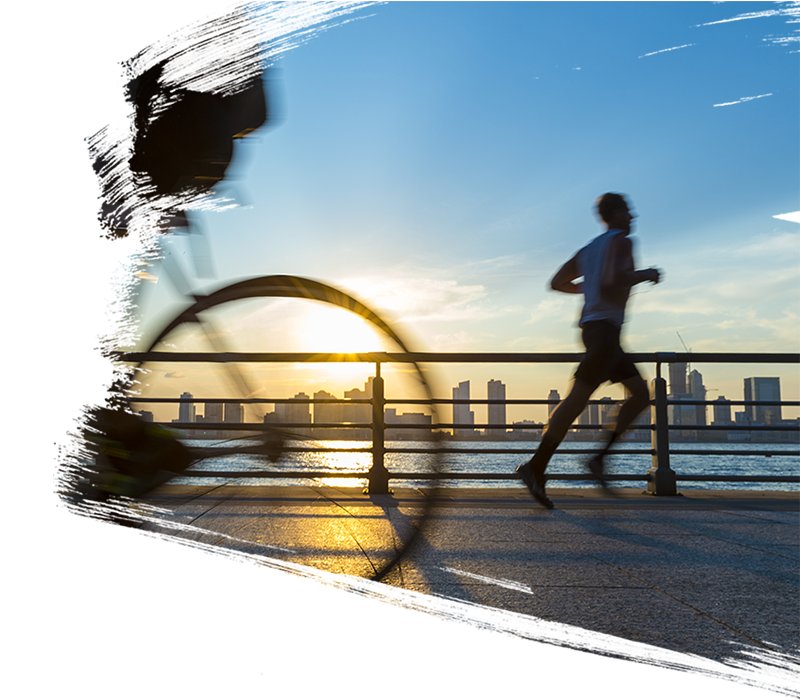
[(701, 573)]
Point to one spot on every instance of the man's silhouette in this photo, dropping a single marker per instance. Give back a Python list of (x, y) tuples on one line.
[(606, 266)]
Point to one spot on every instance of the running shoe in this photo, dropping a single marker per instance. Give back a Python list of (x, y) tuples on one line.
[(536, 489)]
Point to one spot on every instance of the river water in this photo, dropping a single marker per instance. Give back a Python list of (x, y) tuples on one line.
[(781, 462)]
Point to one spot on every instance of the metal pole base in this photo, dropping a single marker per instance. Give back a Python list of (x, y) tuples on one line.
[(662, 482), (378, 484)]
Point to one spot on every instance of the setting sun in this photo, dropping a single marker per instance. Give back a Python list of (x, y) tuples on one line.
[(329, 329)]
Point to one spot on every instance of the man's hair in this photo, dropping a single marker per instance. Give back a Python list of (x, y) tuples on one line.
[(608, 203)]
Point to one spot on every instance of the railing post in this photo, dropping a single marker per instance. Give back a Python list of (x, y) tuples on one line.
[(661, 478), (378, 476)]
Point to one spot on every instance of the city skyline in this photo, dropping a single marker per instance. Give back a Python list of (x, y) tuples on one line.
[(685, 384)]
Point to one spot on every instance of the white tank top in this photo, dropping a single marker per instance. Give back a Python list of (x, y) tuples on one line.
[(591, 261)]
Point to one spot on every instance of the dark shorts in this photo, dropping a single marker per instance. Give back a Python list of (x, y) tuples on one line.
[(605, 360)]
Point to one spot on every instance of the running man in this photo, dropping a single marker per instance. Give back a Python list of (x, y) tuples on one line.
[(606, 266)]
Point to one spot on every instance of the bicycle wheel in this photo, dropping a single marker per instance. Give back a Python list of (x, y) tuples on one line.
[(280, 489)]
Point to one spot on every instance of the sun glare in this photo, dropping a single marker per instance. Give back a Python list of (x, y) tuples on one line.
[(324, 329)]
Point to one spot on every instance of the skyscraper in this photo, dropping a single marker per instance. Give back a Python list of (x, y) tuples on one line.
[(677, 378), (329, 413), (678, 391), (232, 412), (213, 412), (294, 412), (552, 396), (461, 411), (697, 390), (359, 412), (763, 389), (722, 411), (186, 409), (326, 412), (391, 418), (496, 391)]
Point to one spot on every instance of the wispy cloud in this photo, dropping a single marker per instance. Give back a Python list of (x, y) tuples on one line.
[(500, 264), (783, 40), (671, 48), (452, 342), (730, 305), (550, 307), (425, 296), (741, 100), (790, 8), (463, 292), (761, 332), (741, 17), (793, 216)]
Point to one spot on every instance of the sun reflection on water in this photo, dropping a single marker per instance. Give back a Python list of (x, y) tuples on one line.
[(344, 461)]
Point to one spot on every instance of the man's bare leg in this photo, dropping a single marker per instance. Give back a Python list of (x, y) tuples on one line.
[(532, 472), (637, 401), (560, 421)]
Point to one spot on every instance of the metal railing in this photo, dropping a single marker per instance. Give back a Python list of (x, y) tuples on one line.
[(660, 480)]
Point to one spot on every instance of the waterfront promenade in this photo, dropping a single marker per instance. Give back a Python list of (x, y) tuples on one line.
[(707, 573)]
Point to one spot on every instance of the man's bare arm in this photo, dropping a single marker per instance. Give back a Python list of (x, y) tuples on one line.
[(619, 273), (564, 279)]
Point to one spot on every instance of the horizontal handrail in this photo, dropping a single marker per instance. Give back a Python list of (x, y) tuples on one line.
[(454, 357), (731, 427), (434, 402)]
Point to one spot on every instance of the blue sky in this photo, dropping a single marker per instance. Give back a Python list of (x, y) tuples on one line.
[(440, 160)]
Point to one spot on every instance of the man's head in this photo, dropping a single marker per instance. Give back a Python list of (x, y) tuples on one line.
[(614, 211)]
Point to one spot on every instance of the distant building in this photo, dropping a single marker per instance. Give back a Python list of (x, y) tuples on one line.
[(358, 412), (607, 412), (461, 411), (721, 411), (590, 415), (742, 419), (213, 412), (678, 414), (697, 391), (556, 398), (186, 409), (291, 412), (326, 412), (763, 389), (342, 413), (146, 416), (232, 413), (392, 418), (496, 391), (677, 378)]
